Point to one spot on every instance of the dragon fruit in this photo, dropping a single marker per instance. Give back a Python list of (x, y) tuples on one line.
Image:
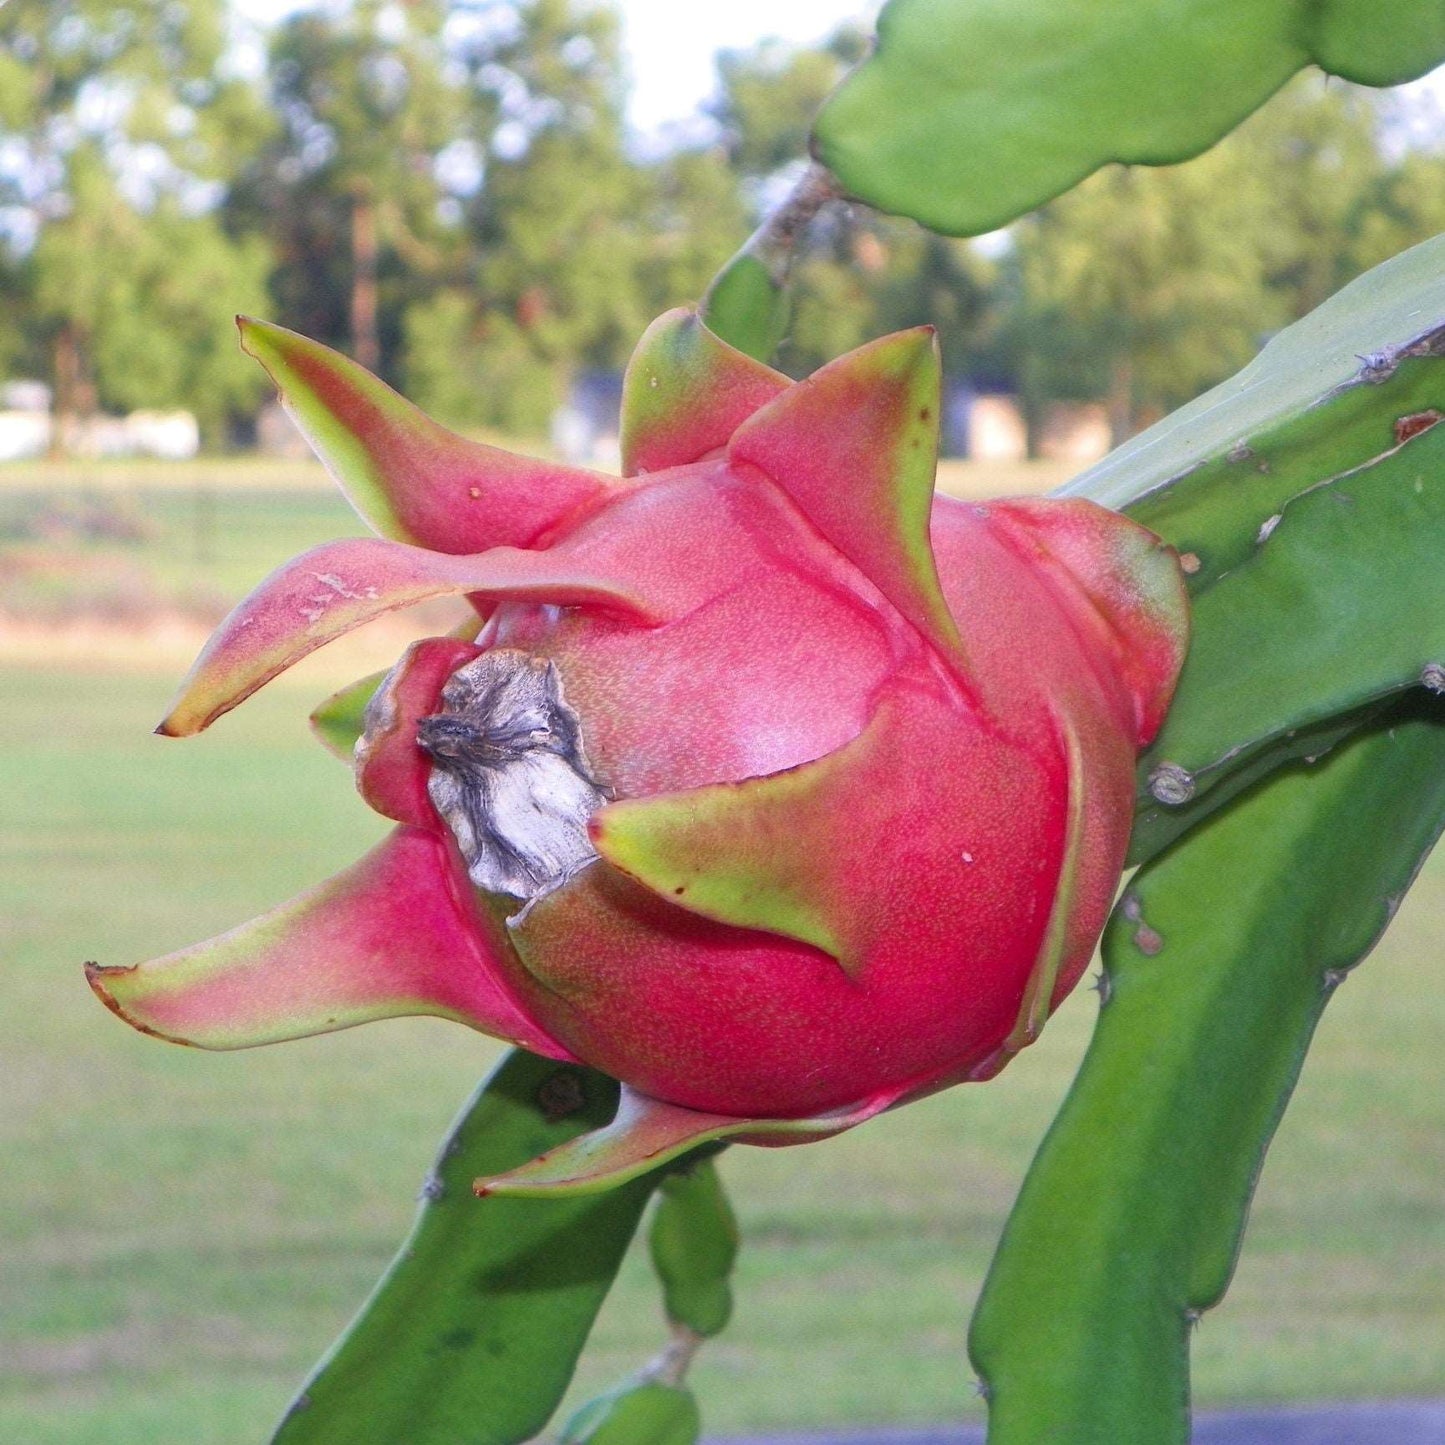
[(767, 782)]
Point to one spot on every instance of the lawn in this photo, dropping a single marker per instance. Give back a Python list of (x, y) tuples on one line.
[(147, 540), (138, 544), (182, 1233)]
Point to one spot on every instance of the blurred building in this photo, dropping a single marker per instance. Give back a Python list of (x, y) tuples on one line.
[(981, 424), (24, 420), (585, 428), (27, 429)]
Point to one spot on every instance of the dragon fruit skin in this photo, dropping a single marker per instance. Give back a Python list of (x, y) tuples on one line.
[(855, 764)]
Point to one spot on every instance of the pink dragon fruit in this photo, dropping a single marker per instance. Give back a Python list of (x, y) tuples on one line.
[(768, 783)]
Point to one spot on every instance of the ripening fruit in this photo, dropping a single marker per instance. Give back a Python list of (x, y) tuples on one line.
[(768, 782)]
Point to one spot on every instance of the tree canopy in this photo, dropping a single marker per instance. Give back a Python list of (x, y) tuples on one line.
[(450, 193)]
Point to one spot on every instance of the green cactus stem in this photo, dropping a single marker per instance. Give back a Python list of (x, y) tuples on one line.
[(748, 303), (475, 1330), (1219, 962), (640, 1414), (693, 1242)]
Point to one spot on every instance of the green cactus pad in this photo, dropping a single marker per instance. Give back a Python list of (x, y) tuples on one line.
[(474, 1331), (694, 1244), (972, 112)]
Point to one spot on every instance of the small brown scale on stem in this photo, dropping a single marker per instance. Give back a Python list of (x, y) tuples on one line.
[(1413, 425)]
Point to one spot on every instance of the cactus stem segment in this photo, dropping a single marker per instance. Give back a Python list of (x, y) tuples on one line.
[(670, 1365)]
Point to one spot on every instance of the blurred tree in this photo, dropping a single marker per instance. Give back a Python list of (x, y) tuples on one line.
[(553, 280), (351, 187), (1346, 194), (1401, 207), (500, 354), (168, 332), (696, 218), (577, 243), (1145, 286), (156, 315), (1151, 281), (18, 353), (947, 283), (111, 113), (1316, 147), (872, 274), (770, 92)]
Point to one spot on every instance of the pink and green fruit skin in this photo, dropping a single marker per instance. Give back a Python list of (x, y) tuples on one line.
[(851, 765)]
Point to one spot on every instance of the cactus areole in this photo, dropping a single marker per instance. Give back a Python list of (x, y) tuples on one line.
[(767, 782)]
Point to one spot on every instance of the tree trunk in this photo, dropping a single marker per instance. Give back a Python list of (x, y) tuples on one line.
[(1033, 404), (74, 400), (365, 345), (1121, 399)]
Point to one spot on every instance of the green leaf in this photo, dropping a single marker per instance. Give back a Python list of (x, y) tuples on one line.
[(1219, 962), (647, 1414), (970, 113), (694, 1244), (474, 1331), (341, 719)]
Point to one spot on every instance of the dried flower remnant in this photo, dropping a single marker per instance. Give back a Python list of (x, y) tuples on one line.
[(509, 776)]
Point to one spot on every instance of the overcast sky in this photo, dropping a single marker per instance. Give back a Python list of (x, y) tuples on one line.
[(670, 43)]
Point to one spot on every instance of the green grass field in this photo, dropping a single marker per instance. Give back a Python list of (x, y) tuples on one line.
[(142, 540), (182, 1233), (102, 544)]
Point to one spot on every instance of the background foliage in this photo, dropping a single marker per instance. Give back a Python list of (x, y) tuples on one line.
[(450, 193)]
